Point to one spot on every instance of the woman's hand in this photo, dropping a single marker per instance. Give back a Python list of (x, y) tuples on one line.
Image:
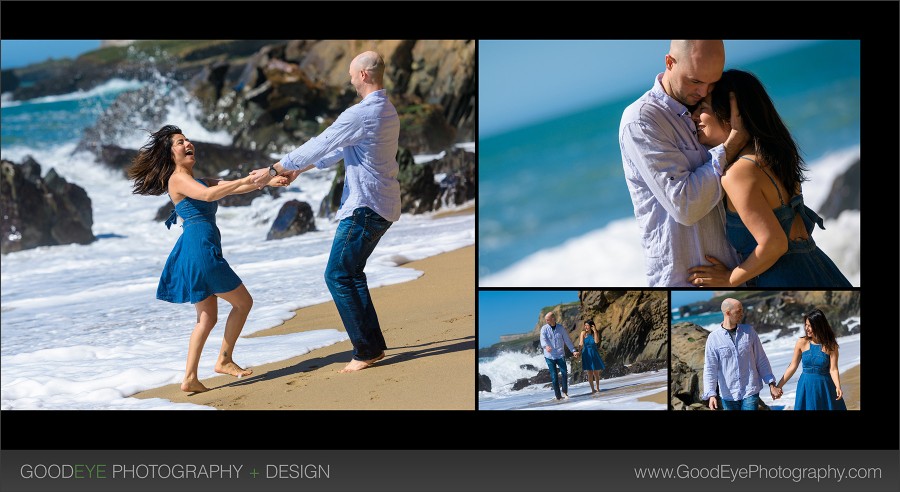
[(715, 275), (840, 394), (279, 181), (291, 175)]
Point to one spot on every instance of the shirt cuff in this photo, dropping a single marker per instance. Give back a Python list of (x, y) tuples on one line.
[(717, 154)]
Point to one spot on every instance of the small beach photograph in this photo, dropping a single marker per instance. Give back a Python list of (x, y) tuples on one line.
[(765, 350), (340, 279), (572, 350), (554, 184)]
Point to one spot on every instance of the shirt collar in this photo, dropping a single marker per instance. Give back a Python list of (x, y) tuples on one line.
[(670, 103), (381, 94)]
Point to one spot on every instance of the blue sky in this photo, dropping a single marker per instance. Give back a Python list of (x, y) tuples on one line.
[(19, 53), (508, 312), (680, 298), (525, 81)]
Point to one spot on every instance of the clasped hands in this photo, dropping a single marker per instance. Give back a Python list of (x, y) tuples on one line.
[(261, 178), (776, 392)]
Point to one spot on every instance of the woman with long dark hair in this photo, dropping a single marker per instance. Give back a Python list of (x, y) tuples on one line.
[(591, 363), (195, 271), (766, 220), (819, 387)]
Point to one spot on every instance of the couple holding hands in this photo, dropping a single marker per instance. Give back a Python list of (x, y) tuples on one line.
[(365, 136), (736, 366)]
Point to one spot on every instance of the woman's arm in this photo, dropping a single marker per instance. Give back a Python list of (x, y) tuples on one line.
[(836, 374), (280, 180), (744, 190), (581, 339), (792, 367), (181, 184)]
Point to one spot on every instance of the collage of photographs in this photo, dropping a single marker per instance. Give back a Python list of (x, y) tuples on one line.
[(339, 225)]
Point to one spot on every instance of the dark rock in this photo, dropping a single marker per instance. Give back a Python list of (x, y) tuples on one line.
[(543, 376), (845, 193), (418, 190), (332, 201), (295, 217), (484, 383), (8, 81), (41, 211), (528, 367)]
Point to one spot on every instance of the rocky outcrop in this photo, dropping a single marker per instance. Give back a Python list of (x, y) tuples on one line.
[(633, 324), (845, 193), (294, 218), (484, 383), (542, 377), (688, 355), (8, 81), (41, 211)]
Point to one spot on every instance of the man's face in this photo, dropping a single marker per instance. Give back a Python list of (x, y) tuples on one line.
[(693, 77), (736, 314), (551, 319)]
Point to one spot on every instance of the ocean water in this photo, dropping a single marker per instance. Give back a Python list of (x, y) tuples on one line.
[(554, 191), (622, 393), (82, 328)]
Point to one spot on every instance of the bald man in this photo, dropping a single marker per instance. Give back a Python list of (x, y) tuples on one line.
[(672, 178), (366, 137), (735, 364)]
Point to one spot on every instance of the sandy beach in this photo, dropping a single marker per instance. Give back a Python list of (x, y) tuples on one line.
[(429, 326), (850, 387)]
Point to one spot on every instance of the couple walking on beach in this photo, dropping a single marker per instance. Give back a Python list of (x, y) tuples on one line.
[(714, 176), (554, 340), (736, 366), (365, 136)]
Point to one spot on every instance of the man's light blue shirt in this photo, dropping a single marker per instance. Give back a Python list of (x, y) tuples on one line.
[(740, 368), (674, 186), (366, 135), (556, 339)]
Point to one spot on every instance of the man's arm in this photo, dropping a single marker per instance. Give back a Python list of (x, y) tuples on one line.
[(324, 150), (545, 344), (686, 195), (762, 362), (568, 341), (710, 371)]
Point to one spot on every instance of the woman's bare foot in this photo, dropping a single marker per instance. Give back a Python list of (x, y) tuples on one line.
[(193, 386), (358, 365), (233, 369)]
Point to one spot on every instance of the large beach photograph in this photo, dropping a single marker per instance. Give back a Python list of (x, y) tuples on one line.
[(571, 165), (572, 350), (766, 350), (210, 277)]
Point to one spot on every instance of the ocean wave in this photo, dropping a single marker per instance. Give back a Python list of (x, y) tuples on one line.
[(112, 86), (613, 255)]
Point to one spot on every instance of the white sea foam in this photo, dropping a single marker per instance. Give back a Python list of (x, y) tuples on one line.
[(613, 255), (82, 328)]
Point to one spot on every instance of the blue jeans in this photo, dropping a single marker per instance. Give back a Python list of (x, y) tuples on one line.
[(552, 364), (749, 403), (354, 241)]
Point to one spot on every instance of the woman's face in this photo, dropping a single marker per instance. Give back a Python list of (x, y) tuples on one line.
[(809, 331), (710, 131), (182, 150)]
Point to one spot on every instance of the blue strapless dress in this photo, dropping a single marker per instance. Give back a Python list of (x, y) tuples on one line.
[(816, 390), (195, 268), (590, 355)]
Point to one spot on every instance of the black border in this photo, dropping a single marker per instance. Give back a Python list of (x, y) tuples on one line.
[(874, 23)]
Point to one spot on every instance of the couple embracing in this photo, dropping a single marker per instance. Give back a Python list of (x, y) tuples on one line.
[(736, 367), (715, 179)]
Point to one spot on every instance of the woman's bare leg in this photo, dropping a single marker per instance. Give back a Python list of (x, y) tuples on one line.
[(207, 313), (241, 302)]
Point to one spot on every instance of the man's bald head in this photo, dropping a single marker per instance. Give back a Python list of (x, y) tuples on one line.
[(692, 67), (372, 63)]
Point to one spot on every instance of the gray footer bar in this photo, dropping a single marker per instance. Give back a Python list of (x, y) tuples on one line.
[(538, 470)]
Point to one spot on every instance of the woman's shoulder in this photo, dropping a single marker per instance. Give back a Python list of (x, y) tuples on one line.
[(741, 171)]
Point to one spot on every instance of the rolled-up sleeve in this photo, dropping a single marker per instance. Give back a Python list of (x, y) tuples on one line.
[(710, 371)]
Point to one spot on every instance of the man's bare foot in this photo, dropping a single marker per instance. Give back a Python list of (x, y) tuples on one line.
[(232, 369), (193, 386), (358, 365)]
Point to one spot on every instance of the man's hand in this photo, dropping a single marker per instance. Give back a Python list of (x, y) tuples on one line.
[(260, 177), (715, 275), (712, 403), (576, 354), (776, 391), (547, 349), (291, 175)]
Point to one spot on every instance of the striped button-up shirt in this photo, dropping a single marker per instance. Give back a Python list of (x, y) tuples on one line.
[(738, 367)]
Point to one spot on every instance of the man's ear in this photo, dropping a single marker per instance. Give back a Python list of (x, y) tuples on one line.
[(670, 62)]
